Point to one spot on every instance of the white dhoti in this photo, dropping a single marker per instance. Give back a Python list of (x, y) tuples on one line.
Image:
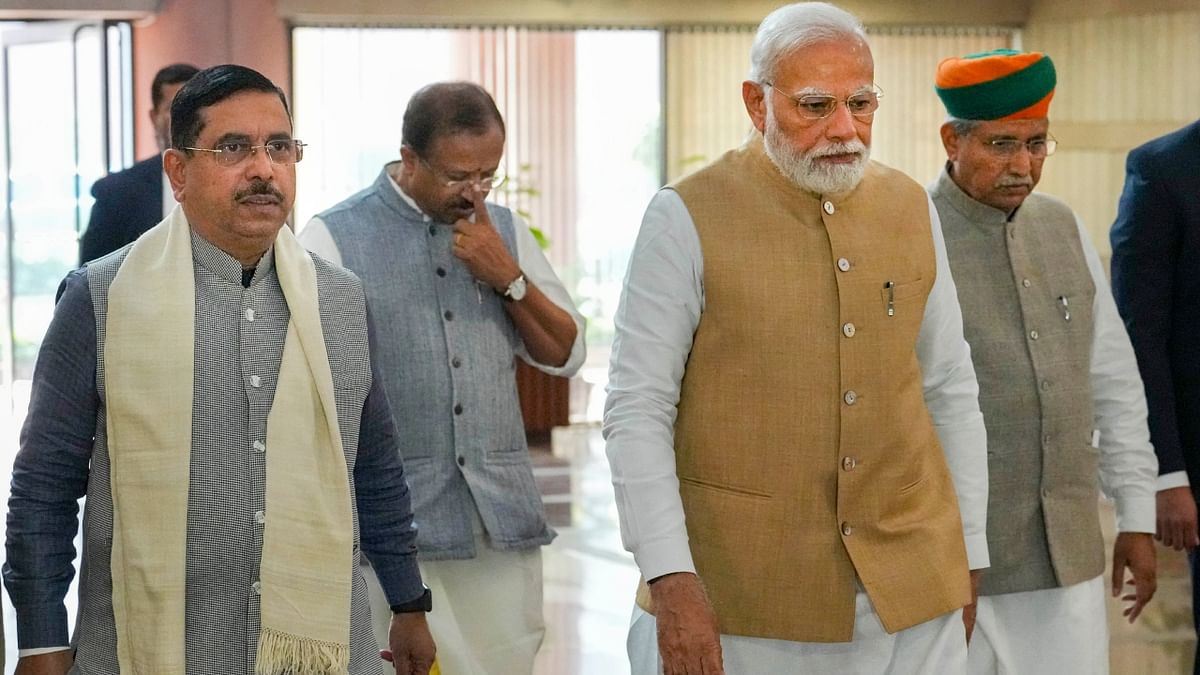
[(936, 647), (1056, 631), (487, 611)]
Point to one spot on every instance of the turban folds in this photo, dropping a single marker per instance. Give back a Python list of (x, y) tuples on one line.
[(1002, 84)]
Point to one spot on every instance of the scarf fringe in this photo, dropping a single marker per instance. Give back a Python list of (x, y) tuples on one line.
[(285, 654)]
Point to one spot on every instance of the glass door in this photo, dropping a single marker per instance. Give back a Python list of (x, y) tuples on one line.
[(64, 120)]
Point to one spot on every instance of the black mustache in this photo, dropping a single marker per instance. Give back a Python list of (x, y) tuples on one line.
[(258, 187)]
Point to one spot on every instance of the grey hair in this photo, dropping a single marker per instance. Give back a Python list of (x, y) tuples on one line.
[(962, 127), (795, 26)]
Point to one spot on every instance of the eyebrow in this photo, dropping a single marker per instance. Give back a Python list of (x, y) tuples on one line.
[(238, 137), (813, 91)]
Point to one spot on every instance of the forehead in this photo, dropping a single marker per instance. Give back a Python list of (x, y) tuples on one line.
[(467, 151), (836, 66), (254, 114), (1019, 129)]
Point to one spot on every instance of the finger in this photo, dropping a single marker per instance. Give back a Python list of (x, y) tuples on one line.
[(1118, 573), (481, 214), (710, 663)]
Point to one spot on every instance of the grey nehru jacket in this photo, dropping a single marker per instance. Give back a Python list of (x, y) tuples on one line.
[(447, 350), (239, 345), (1018, 280)]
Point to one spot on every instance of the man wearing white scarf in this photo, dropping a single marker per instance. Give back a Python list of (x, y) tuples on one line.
[(210, 390)]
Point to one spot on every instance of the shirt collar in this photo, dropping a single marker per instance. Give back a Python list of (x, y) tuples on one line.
[(225, 266), (400, 191)]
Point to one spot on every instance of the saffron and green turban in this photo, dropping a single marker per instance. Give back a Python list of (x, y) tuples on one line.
[(1002, 84)]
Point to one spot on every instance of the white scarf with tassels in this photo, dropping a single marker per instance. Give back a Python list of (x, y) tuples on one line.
[(305, 572)]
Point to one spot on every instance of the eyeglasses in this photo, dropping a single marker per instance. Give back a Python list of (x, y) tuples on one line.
[(1007, 147), (820, 106), (281, 151), (459, 184)]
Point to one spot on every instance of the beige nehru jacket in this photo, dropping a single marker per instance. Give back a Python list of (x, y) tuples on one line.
[(804, 449)]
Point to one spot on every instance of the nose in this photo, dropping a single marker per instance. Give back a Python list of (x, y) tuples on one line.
[(840, 124), (259, 164), (1021, 161)]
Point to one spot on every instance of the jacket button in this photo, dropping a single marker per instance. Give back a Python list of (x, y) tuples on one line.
[(828, 206), (462, 461), (449, 315), (848, 330), (458, 408), (441, 271), (848, 463), (850, 397), (456, 362), (843, 264), (1033, 334), (432, 230), (1026, 283), (847, 530)]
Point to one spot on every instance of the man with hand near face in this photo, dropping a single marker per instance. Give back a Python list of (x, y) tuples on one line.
[(1058, 382), (211, 390), (789, 374), (461, 290)]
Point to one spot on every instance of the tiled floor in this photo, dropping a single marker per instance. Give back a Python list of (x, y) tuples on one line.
[(589, 578)]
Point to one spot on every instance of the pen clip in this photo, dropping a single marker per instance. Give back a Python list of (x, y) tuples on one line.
[(1065, 308), (891, 289)]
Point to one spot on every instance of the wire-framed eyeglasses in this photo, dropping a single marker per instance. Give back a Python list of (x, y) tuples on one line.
[(819, 106), (1007, 147), (485, 181), (280, 151)]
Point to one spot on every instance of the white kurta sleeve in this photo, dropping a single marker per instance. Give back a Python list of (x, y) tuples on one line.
[(952, 394), (1128, 465), (537, 271), (657, 317)]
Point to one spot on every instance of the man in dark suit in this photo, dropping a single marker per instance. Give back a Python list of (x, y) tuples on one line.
[(130, 202), (1156, 282)]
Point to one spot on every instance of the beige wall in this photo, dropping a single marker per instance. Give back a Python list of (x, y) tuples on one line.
[(638, 12), (206, 33), (1122, 80)]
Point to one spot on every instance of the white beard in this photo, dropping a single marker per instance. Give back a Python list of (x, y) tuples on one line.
[(803, 169)]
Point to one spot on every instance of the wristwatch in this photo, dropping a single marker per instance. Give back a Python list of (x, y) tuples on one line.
[(422, 603), (515, 290)]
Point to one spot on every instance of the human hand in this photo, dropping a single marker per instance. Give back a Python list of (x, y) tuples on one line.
[(412, 650), (54, 663), (1135, 550), (688, 639), (1177, 518), (968, 613), (479, 245)]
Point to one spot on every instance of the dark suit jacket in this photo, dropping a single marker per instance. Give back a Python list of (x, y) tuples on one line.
[(127, 204), (1156, 281)]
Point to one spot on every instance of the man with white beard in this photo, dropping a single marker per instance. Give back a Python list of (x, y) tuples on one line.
[(789, 374)]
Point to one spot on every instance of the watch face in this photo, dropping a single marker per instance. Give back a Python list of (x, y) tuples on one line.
[(516, 290)]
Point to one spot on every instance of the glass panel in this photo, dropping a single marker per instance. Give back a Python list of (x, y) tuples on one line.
[(54, 139), (51, 164)]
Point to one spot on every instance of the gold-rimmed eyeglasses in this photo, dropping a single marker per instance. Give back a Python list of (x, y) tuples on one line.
[(280, 151), (484, 181), (817, 106)]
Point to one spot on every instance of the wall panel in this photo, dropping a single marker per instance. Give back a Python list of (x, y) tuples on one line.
[(1122, 80)]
